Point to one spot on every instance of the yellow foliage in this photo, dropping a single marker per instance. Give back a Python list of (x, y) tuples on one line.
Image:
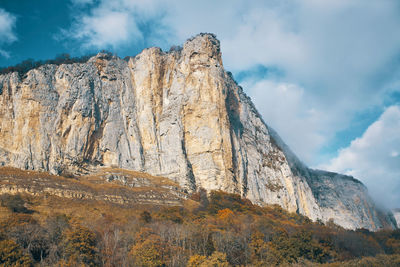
[(196, 260), (217, 259), (80, 245), (148, 252), (11, 255)]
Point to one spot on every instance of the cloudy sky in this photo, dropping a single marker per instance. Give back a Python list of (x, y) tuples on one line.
[(324, 73)]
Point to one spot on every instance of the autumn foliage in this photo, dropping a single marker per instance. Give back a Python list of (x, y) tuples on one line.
[(215, 229)]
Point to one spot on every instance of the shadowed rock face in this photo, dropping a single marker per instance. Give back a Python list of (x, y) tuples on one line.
[(178, 115)]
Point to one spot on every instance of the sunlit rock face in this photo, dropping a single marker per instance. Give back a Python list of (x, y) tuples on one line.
[(177, 114), (396, 215)]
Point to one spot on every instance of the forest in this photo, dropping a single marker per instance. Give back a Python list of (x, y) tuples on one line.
[(215, 229)]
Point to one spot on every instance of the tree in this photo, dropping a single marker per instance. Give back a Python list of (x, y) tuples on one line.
[(196, 260), (33, 238), (145, 216), (149, 250), (15, 203), (217, 259), (148, 253), (55, 226), (225, 215), (80, 246), (11, 255)]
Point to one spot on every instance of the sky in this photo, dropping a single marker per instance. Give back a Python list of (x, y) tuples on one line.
[(325, 74)]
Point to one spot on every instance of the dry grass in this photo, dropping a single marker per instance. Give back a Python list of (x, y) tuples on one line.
[(156, 190), (155, 180)]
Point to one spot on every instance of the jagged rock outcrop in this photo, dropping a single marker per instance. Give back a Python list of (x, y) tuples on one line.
[(178, 115)]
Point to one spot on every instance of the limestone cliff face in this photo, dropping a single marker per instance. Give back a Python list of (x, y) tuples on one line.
[(178, 115), (396, 215)]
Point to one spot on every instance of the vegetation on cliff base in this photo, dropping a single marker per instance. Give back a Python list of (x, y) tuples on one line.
[(220, 229)]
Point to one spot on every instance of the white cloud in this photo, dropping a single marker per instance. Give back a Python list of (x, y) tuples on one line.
[(4, 53), (111, 23), (7, 31), (107, 28), (284, 107), (374, 159)]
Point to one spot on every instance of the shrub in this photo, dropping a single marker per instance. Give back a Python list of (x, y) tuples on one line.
[(217, 259), (149, 250), (145, 216), (14, 203), (11, 255), (80, 246)]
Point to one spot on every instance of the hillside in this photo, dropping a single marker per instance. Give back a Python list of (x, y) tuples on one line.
[(221, 229)]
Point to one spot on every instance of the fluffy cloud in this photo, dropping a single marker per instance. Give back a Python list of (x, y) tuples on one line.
[(113, 24), (104, 27), (7, 30), (374, 158), (338, 53)]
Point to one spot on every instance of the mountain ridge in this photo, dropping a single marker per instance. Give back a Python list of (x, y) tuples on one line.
[(177, 114)]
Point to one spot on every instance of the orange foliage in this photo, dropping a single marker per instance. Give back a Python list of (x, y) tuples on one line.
[(225, 215)]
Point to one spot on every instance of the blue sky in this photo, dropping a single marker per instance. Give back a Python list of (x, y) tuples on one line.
[(324, 74)]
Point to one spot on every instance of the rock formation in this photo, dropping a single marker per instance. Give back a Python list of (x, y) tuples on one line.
[(396, 215), (177, 114)]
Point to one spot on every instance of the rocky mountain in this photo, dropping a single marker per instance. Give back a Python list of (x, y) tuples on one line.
[(177, 114)]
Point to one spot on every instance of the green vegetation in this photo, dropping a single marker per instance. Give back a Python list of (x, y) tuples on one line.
[(29, 64), (220, 229)]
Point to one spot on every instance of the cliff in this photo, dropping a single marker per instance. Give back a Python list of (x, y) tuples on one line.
[(396, 215), (179, 115)]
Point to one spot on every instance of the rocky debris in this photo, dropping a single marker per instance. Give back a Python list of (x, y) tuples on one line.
[(179, 115)]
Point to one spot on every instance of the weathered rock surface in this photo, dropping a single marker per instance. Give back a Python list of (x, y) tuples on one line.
[(178, 115), (396, 215)]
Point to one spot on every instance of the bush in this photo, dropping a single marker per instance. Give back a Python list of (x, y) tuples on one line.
[(217, 259), (80, 246), (33, 238), (220, 200), (11, 255), (14, 203), (145, 216), (149, 250)]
